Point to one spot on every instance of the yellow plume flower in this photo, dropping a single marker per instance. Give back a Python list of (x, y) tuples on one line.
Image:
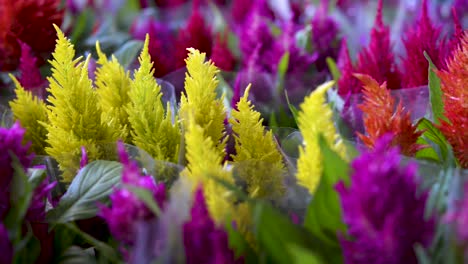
[(30, 110), (204, 164), (113, 85), (314, 118), (74, 113), (200, 98), (260, 162), (152, 126)]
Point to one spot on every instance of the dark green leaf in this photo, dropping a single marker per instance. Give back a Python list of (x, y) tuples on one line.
[(146, 196), (93, 184), (275, 233), (36, 177), (334, 167), (77, 255), (282, 70), (239, 244), (435, 93), (442, 147), (423, 258), (128, 52), (107, 251), (304, 256), (83, 25), (292, 108)]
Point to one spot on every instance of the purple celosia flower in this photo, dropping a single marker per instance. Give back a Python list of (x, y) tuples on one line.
[(37, 207), (84, 157), (30, 78), (324, 36), (383, 209), (423, 36), (347, 84), (242, 9), (377, 59), (127, 210), (11, 143), (6, 248), (203, 241)]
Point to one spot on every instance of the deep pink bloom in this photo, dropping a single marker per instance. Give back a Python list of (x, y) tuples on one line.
[(423, 36), (347, 84), (377, 59), (383, 209), (196, 34), (241, 9), (37, 207), (222, 55), (127, 210), (31, 78), (203, 241)]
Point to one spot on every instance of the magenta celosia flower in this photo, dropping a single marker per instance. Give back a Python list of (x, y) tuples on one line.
[(84, 157), (196, 34), (241, 9), (6, 248), (127, 210), (423, 36), (347, 84), (11, 143), (377, 59), (256, 36), (324, 36), (203, 241), (222, 56), (37, 207), (383, 209), (30, 78)]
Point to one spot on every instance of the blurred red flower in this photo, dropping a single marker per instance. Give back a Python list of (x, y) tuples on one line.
[(30, 22)]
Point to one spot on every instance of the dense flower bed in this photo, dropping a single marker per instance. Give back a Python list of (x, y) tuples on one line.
[(263, 131)]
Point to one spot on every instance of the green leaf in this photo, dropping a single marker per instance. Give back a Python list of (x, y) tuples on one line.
[(292, 108), (239, 244), (324, 216), (128, 52), (36, 177), (83, 25), (275, 233), (335, 72), (93, 184), (441, 145), (29, 248), (20, 198), (107, 251), (282, 70), (146, 196), (77, 255), (435, 93), (303, 256)]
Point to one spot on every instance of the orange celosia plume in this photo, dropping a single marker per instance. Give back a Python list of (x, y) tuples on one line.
[(454, 82), (381, 117)]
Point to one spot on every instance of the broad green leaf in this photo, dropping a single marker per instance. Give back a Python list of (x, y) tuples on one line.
[(77, 255), (93, 184), (128, 52), (442, 147), (335, 72), (324, 216), (239, 244), (83, 25), (275, 233), (146, 196), (435, 93), (304, 256), (20, 198)]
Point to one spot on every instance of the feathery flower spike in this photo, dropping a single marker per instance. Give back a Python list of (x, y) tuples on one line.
[(381, 117), (383, 208), (455, 97), (152, 127), (314, 118), (256, 151)]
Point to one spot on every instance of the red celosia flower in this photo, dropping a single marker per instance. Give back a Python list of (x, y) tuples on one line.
[(424, 36), (29, 21), (222, 55), (455, 96), (381, 117), (196, 34), (377, 59)]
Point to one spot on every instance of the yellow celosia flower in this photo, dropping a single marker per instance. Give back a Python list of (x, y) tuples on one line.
[(152, 126), (30, 110), (260, 163), (113, 84), (314, 118), (74, 115), (204, 165), (200, 99)]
